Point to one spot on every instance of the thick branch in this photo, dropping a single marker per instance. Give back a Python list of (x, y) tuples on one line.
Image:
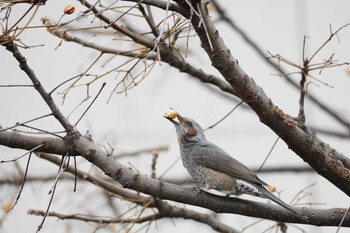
[(106, 185), (279, 69), (166, 210), (316, 153), (132, 179), (210, 220), (25, 142), (169, 55)]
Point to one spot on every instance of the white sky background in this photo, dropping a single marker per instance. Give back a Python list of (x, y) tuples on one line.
[(135, 122)]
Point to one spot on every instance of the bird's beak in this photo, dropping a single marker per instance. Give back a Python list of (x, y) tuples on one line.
[(171, 115)]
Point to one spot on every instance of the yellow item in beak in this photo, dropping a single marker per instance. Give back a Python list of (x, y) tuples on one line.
[(171, 113)]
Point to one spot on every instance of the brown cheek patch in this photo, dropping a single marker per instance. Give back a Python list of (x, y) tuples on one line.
[(191, 132)]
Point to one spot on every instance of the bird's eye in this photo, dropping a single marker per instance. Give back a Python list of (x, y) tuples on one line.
[(189, 124)]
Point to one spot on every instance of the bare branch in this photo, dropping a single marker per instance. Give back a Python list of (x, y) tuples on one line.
[(306, 145), (23, 1), (154, 163), (332, 34), (54, 30), (24, 177), (96, 219), (92, 102), (327, 109), (134, 36), (141, 151), (17, 180), (158, 41), (165, 209), (132, 179), (110, 187), (10, 46), (229, 113)]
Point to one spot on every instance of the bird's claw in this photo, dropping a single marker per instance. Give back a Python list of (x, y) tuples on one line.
[(198, 189)]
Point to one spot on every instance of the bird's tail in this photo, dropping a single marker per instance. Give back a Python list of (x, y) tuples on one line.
[(275, 199)]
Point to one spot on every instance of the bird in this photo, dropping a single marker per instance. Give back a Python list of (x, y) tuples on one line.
[(212, 167)]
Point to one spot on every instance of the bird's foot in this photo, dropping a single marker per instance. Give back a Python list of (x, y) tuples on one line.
[(197, 188)]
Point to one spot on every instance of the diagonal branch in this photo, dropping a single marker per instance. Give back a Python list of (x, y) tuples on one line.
[(103, 17), (167, 52), (321, 157), (54, 30), (327, 109), (10, 46), (168, 55)]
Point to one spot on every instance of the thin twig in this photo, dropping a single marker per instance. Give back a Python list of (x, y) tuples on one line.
[(17, 85), (268, 155), (96, 219), (10, 46), (30, 151), (328, 40), (41, 130), (160, 148), (54, 30), (52, 191), (154, 163), (25, 122), (327, 109), (342, 220), (75, 174), (205, 27), (212, 126), (24, 176), (97, 95), (169, 168)]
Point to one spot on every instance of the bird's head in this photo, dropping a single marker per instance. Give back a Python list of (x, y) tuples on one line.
[(187, 129)]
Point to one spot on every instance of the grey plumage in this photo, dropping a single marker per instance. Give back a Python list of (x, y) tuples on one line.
[(213, 168)]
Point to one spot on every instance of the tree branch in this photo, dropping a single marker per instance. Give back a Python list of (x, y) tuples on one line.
[(10, 46), (312, 150), (169, 56), (279, 69), (324, 159), (54, 30), (167, 52), (165, 209), (132, 179), (96, 219)]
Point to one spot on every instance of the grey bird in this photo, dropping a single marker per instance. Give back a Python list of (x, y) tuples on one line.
[(212, 167)]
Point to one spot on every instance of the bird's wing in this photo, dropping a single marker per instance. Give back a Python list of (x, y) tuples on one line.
[(211, 156)]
